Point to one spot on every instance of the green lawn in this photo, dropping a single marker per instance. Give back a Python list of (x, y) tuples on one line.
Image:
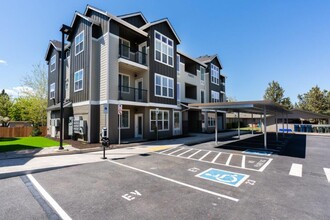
[(23, 143)]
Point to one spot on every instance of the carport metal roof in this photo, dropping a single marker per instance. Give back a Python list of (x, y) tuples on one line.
[(253, 107)]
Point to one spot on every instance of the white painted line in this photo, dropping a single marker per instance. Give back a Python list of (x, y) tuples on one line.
[(184, 152), (216, 157), (327, 173), (167, 150), (175, 151), (229, 159), (205, 155), (243, 161), (49, 199), (296, 170), (265, 165), (194, 153), (178, 182)]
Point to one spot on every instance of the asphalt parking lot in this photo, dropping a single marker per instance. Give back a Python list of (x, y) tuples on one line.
[(204, 181)]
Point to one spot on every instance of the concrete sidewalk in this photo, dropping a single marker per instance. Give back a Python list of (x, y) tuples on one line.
[(23, 162)]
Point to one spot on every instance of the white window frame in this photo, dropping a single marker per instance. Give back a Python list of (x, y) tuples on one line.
[(129, 83), (75, 80), (128, 121), (121, 42), (165, 49), (202, 75), (178, 63), (80, 42), (164, 83), (53, 62), (178, 91), (215, 96), (210, 121), (52, 90), (161, 112), (215, 74), (179, 128)]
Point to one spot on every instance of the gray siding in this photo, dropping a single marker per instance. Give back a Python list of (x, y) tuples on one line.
[(212, 86), (54, 77), (95, 71), (137, 20)]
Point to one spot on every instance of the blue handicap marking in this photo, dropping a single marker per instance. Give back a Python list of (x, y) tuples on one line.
[(285, 130), (223, 176), (258, 152)]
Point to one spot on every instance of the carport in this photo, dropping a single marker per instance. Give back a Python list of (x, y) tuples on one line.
[(262, 107)]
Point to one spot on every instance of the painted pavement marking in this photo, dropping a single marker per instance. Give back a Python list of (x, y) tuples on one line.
[(223, 176), (243, 161), (327, 173), (167, 150), (48, 198), (158, 148), (296, 170), (204, 155), (216, 157), (229, 159), (194, 153), (175, 151), (185, 152), (177, 182)]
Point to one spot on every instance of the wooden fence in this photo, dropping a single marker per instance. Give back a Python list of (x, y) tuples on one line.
[(20, 131)]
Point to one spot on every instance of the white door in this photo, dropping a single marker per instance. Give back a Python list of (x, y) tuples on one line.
[(138, 125), (53, 129), (220, 127), (177, 125), (139, 90)]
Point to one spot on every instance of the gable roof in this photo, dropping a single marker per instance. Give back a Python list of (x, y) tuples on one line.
[(117, 19), (193, 59), (161, 21), (57, 46), (208, 59), (133, 15)]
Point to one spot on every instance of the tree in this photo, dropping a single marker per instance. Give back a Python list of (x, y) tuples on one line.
[(315, 100), (5, 104), (274, 92)]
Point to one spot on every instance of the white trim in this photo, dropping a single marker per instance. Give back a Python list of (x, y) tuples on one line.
[(54, 63), (50, 91), (178, 97), (200, 70), (197, 61), (116, 102), (161, 86), (129, 119), (160, 112), (123, 60), (161, 49), (215, 70), (136, 119), (132, 15), (74, 81), (82, 42), (215, 93), (179, 130), (129, 83)]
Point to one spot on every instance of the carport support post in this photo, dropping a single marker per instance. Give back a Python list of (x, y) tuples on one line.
[(287, 123), (252, 123), (216, 127), (238, 127), (276, 127), (283, 124), (265, 128)]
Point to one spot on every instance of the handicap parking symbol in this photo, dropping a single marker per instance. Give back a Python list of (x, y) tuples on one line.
[(224, 177)]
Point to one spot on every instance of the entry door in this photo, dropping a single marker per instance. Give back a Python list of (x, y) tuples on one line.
[(220, 119), (177, 126), (139, 90), (138, 125)]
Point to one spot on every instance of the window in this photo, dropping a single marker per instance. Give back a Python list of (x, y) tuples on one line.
[(52, 91), (214, 74), (215, 96), (67, 54), (124, 48), (211, 120), (176, 123), (202, 73), (125, 122), (78, 80), (79, 42), (178, 92), (123, 83), (53, 63), (202, 96), (178, 63), (162, 119), (163, 49), (164, 86)]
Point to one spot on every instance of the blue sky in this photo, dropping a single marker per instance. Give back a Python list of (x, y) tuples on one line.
[(257, 41)]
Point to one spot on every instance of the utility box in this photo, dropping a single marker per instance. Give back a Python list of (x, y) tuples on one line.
[(70, 126), (104, 132)]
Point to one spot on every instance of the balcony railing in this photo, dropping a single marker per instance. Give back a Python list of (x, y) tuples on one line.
[(132, 94), (137, 57), (222, 87)]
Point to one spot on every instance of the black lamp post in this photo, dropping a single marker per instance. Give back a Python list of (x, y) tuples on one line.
[(65, 31)]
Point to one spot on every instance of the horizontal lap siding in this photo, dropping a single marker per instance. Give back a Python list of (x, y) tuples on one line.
[(103, 66)]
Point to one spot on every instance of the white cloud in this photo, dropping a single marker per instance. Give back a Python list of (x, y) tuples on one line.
[(3, 62), (18, 91)]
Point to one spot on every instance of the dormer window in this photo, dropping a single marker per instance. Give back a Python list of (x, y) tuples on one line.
[(53, 63), (163, 49), (79, 42)]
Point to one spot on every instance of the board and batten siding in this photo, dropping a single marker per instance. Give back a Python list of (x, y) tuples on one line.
[(81, 61), (212, 86), (53, 77), (101, 18), (95, 71)]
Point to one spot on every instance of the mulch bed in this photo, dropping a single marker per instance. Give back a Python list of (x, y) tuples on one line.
[(77, 144)]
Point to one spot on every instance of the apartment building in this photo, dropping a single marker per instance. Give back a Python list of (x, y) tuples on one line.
[(127, 66)]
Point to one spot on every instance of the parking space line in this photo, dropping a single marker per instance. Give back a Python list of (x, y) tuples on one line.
[(265, 165), (327, 173), (48, 198), (216, 157), (177, 182), (296, 170), (176, 151), (243, 161), (167, 150), (194, 153), (185, 152), (205, 155), (229, 159)]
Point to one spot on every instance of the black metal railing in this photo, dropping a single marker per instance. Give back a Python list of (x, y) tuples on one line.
[(135, 56), (132, 94), (222, 87)]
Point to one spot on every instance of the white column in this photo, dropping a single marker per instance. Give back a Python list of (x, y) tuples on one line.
[(276, 127), (252, 123), (265, 128), (216, 127), (238, 127)]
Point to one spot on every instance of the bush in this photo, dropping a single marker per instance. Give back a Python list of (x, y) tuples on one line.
[(36, 131)]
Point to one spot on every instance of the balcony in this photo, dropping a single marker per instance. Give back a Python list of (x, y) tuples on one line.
[(222, 87), (132, 94), (132, 60)]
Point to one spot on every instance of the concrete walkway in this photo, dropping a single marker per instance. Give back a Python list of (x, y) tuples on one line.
[(22, 162)]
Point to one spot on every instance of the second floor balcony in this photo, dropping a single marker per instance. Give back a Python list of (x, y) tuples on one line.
[(132, 60), (132, 94)]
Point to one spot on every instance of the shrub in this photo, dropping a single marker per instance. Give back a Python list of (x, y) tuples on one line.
[(36, 131)]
